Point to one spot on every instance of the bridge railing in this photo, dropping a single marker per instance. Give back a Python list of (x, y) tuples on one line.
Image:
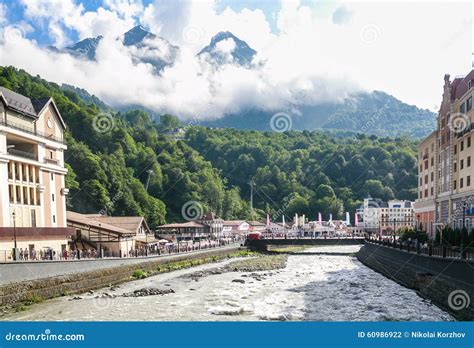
[(443, 251)]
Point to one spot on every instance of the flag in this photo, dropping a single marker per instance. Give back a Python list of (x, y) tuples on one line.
[(268, 220), (330, 217), (320, 218), (356, 219), (348, 218), (283, 219)]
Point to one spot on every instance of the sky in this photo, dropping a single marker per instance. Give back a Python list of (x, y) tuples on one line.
[(308, 52)]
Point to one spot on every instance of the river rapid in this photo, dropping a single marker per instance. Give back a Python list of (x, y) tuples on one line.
[(310, 287)]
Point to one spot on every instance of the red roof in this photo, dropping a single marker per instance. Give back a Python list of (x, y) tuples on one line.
[(461, 85)]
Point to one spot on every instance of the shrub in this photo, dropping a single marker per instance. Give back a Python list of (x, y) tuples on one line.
[(139, 274)]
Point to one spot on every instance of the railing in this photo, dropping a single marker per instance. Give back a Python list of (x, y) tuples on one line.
[(51, 160), (443, 251), (24, 154), (31, 131), (93, 254)]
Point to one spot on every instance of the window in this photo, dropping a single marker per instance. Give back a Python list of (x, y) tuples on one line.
[(461, 183), (432, 161), (462, 109), (468, 181), (52, 176), (454, 185), (461, 165), (469, 161), (432, 176), (469, 104), (432, 191), (455, 167), (52, 197), (455, 149), (54, 218), (462, 145)]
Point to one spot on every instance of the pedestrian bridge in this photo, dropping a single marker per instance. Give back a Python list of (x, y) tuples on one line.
[(262, 244)]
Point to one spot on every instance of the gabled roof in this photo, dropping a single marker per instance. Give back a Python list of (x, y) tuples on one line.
[(130, 223), (18, 102), (26, 106), (461, 85), (234, 222), (81, 219), (182, 225)]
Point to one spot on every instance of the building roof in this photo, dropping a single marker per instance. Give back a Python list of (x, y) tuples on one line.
[(26, 106), (82, 219), (234, 222), (18, 102), (256, 223), (461, 85), (183, 225), (130, 223)]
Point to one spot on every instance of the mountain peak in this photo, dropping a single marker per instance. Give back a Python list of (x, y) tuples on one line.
[(86, 47), (136, 35), (241, 53)]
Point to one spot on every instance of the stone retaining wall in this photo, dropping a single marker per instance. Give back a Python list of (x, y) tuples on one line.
[(46, 288), (433, 277)]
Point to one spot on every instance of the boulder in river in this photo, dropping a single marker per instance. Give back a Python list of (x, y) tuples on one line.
[(238, 281)]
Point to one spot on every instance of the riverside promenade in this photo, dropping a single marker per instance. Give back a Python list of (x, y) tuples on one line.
[(13, 272)]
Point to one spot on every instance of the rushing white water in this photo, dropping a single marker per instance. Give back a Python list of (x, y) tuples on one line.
[(311, 287)]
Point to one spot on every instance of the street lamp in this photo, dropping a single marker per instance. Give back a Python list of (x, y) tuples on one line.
[(100, 240), (15, 248), (150, 173)]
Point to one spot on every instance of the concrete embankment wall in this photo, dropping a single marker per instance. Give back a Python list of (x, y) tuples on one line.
[(434, 278), (77, 282)]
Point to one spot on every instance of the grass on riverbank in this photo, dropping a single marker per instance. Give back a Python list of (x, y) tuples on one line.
[(259, 263)]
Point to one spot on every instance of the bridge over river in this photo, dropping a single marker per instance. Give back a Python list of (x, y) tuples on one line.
[(263, 244)]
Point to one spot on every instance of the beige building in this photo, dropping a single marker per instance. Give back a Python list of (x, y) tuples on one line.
[(425, 205), (32, 173), (117, 236), (448, 198), (31, 162)]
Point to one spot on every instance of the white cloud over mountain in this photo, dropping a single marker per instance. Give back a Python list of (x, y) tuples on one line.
[(320, 53)]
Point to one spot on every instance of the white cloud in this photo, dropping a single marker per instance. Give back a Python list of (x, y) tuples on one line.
[(403, 49), (3, 14)]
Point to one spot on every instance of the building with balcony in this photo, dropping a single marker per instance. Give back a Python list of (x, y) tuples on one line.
[(445, 187), (383, 218), (428, 174), (32, 171)]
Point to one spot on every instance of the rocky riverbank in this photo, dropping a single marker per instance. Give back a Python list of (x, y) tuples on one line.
[(261, 262)]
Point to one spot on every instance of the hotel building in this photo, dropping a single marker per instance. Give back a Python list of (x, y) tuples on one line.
[(32, 174), (447, 198)]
